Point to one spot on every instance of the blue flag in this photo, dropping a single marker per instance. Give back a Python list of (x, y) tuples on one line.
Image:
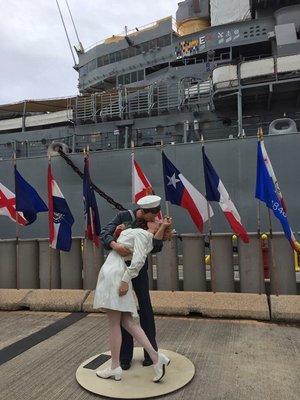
[(92, 220), (27, 199), (267, 193)]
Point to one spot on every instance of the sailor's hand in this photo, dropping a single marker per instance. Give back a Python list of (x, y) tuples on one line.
[(123, 288), (120, 249), (167, 221)]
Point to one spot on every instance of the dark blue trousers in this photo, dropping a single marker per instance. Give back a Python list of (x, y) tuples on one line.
[(141, 287)]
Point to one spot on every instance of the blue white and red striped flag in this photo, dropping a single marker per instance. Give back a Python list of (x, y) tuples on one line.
[(216, 191), (181, 192), (267, 192), (60, 217), (92, 220)]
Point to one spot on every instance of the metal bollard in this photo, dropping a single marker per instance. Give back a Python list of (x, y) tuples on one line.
[(281, 262), (71, 266), (28, 259), (93, 259), (222, 276), (194, 269), (8, 264), (167, 266), (45, 264), (251, 265)]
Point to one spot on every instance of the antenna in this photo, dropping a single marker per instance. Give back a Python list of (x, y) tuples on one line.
[(63, 22), (74, 26)]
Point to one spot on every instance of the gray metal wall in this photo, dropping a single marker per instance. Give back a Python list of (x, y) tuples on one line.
[(234, 160)]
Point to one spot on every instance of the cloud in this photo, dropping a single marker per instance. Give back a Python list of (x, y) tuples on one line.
[(35, 57)]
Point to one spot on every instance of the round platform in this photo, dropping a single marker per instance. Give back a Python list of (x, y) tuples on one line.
[(136, 382)]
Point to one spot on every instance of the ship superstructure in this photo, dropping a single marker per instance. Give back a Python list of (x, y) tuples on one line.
[(218, 70)]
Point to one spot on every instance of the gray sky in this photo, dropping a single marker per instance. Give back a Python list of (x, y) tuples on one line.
[(35, 58)]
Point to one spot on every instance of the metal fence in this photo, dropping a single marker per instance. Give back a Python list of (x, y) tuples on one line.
[(226, 270)]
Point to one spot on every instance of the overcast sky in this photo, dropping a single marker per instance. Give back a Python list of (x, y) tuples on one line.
[(36, 61)]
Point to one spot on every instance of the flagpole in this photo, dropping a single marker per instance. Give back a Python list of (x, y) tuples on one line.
[(132, 173), (212, 267), (167, 202), (259, 138), (50, 249), (17, 229), (92, 221), (271, 235)]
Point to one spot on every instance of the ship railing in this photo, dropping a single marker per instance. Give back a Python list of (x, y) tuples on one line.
[(262, 266)]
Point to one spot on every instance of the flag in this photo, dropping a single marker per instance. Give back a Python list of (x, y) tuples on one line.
[(60, 217), (181, 192), (267, 193), (92, 221), (216, 191), (8, 205), (272, 175), (27, 199), (141, 186)]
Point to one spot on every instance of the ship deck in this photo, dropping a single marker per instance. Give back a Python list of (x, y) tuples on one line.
[(234, 359)]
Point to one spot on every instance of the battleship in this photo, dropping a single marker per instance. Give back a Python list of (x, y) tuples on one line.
[(221, 71)]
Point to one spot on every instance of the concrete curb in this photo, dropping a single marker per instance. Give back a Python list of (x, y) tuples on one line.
[(285, 308), (13, 299), (68, 300), (214, 305), (206, 304)]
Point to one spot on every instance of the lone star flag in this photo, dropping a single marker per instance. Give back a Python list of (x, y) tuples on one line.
[(60, 217), (181, 192), (216, 191)]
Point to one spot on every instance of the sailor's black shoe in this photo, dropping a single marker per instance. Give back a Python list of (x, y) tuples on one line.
[(146, 363), (125, 365)]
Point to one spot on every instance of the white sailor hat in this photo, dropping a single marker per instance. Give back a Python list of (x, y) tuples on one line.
[(150, 201)]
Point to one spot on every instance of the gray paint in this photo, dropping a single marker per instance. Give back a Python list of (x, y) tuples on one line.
[(222, 278), (194, 268), (167, 266), (234, 160)]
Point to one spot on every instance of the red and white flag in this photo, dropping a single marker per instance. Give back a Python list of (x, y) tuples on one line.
[(141, 186), (8, 205)]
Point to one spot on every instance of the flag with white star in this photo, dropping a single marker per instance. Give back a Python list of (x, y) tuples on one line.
[(180, 191)]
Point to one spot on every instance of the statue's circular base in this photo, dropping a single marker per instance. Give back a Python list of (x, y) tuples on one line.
[(136, 382)]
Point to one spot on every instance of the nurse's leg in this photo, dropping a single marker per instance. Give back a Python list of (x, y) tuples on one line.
[(115, 336)]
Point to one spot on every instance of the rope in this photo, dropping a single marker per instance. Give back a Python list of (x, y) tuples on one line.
[(99, 191)]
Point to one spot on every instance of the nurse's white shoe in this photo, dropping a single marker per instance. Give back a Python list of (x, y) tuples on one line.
[(115, 373), (160, 367)]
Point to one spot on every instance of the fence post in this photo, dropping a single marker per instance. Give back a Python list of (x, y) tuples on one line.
[(222, 275), (71, 266), (281, 262), (8, 265), (93, 259), (251, 265), (194, 269), (167, 266), (44, 266), (28, 264)]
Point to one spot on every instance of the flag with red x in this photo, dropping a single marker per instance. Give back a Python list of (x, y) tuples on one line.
[(8, 205)]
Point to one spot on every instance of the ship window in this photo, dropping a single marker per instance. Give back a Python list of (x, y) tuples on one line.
[(118, 56), (134, 76), (141, 75), (126, 79), (99, 61), (121, 79), (112, 58), (138, 50), (145, 47), (152, 44), (106, 59)]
